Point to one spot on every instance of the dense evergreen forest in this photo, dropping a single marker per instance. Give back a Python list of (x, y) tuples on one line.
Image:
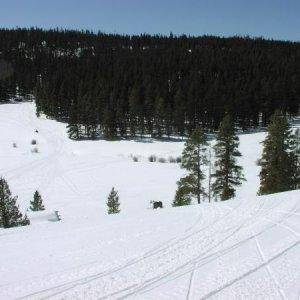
[(125, 86)]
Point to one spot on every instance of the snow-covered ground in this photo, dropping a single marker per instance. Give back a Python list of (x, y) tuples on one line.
[(246, 248)]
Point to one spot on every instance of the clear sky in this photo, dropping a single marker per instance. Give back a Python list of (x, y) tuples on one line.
[(277, 19)]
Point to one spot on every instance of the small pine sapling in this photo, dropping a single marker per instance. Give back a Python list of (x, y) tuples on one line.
[(113, 202), (37, 203)]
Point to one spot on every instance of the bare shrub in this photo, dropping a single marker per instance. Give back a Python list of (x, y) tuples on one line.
[(172, 160), (135, 158), (33, 142), (162, 160), (35, 150), (152, 158)]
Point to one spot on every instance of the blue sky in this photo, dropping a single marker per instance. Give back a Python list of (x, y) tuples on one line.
[(277, 19)]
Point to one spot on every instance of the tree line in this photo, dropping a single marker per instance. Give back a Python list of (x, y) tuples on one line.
[(112, 86), (280, 162)]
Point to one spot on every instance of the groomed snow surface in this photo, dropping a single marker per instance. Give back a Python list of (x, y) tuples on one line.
[(246, 248)]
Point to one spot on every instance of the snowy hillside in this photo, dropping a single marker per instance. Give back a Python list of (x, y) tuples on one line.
[(243, 248)]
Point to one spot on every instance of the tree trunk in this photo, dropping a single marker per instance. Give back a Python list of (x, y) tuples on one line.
[(198, 176), (209, 176)]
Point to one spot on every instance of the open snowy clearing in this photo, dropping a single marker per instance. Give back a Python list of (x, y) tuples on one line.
[(244, 248)]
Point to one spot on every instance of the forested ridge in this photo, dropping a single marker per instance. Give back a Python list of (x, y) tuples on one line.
[(125, 86)]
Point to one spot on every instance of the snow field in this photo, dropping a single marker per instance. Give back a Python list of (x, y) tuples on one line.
[(246, 248)]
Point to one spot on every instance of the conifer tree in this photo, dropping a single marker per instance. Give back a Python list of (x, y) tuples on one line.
[(73, 126), (168, 120), (134, 109), (209, 192), (37, 203), (113, 202), (109, 124), (278, 162), (159, 120), (10, 216), (297, 158), (227, 174), (193, 159), (183, 194), (73, 131), (179, 112), (149, 108)]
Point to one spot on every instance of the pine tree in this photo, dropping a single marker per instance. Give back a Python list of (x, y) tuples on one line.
[(179, 112), (37, 202), (228, 174), (73, 131), (159, 119), (278, 161), (193, 158), (168, 120), (209, 192), (113, 202), (73, 128), (297, 158), (183, 194), (149, 108), (10, 216), (134, 111), (109, 124)]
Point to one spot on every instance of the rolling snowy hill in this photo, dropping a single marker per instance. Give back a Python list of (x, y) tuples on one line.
[(246, 248)]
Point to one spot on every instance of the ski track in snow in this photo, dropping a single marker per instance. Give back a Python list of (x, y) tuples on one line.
[(238, 249), (133, 289)]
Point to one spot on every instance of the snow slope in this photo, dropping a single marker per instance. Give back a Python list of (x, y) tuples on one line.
[(244, 248)]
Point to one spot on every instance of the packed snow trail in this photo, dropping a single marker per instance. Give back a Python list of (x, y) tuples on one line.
[(242, 248)]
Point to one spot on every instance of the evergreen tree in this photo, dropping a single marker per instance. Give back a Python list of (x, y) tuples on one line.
[(134, 109), (113, 202), (168, 120), (149, 109), (297, 158), (159, 119), (109, 124), (10, 216), (209, 192), (228, 174), (193, 159), (179, 112), (37, 203), (73, 131), (73, 128), (278, 161), (183, 194)]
